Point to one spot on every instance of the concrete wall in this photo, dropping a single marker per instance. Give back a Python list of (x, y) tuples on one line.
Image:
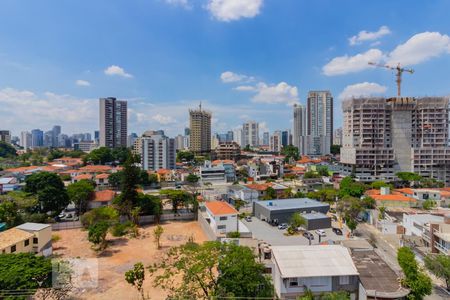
[(206, 227), (401, 138), (318, 223), (283, 215)]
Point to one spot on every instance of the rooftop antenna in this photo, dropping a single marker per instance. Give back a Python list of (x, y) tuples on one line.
[(200, 106)]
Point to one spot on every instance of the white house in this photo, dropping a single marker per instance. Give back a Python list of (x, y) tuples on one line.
[(244, 193), (212, 174), (318, 268), (223, 217)]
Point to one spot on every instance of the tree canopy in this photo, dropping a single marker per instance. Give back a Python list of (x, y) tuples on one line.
[(212, 269), (349, 187), (80, 193), (7, 150), (104, 155), (50, 191), (290, 152), (415, 279), (185, 156), (439, 265)]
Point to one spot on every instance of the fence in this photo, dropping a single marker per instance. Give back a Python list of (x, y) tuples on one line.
[(66, 225)]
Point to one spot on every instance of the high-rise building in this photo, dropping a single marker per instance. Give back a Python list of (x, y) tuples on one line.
[(56, 131), (187, 131), (113, 123), (5, 136), (97, 136), (319, 120), (25, 140), (250, 134), (48, 139), (266, 138), (299, 128), (237, 136), (200, 131), (284, 138), (381, 137), (156, 150), (37, 138), (131, 139), (275, 141), (337, 137), (179, 142)]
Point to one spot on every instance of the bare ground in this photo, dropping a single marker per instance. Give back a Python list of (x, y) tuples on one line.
[(120, 256)]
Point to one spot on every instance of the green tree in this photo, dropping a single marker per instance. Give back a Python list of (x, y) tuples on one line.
[(136, 277), (50, 191), (55, 154), (408, 178), (185, 156), (290, 152), (115, 179), (415, 279), (121, 154), (350, 207), (80, 193), (310, 174), (428, 204), (368, 202), (439, 265), (128, 198), (192, 178), (322, 170), (348, 187), (99, 156), (335, 149), (6, 150), (270, 194), (24, 272), (379, 184), (100, 214), (178, 198), (351, 224), (296, 221), (9, 214), (211, 269), (157, 233), (97, 234)]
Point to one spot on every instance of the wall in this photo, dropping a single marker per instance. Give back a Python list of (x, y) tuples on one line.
[(206, 227)]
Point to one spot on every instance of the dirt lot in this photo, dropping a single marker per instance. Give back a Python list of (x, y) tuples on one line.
[(122, 254)]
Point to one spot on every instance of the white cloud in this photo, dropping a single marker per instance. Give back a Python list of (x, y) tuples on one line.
[(229, 77), (164, 120), (362, 89), (81, 82), (364, 35), (182, 3), (276, 94), (350, 64), (25, 110), (245, 88), (419, 48), (230, 10), (116, 70)]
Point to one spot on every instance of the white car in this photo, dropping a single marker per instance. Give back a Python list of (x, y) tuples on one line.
[(321, 232)]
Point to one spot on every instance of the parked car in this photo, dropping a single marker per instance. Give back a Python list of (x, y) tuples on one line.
[(248, 218), (283, 226), (308, 235), (70, 217), (337, 231), (321, 232)]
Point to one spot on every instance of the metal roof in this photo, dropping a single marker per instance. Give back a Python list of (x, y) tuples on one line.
[(32, 226), (313, 261), (294, 203)]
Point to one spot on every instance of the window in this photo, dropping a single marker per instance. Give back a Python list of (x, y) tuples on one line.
[(344, 280), (221, 226), (27, 242), (223, 218), (35, 240), (293, 281), (13, 249)]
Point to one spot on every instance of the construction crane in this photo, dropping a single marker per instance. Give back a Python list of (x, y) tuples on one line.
[(399, 70)]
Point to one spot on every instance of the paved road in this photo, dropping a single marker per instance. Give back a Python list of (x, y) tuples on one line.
[(388, 251)]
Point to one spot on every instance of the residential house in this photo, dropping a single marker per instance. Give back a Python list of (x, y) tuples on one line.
[(8, 184), (27, 238), (222, 217), (318, 268), (212, 173), (241, 192), (102, 198)]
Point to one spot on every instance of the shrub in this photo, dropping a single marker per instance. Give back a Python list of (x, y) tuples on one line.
[(234, 234)]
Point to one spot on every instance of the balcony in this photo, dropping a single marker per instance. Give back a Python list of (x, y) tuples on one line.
[(441, 248)]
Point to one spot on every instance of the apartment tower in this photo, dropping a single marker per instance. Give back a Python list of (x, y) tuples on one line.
[(113, 123), (381, 137), (250, 134), (299, 128), (156, 150), (319, 120), (200, 131)]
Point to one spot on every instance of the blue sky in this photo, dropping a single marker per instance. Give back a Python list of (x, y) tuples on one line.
[(244, 59)]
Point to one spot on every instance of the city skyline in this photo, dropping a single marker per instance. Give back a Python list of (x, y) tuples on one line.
[(243, 64)]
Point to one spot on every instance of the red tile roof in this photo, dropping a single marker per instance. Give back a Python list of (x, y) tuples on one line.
[(104, 196), (102, 176), (218, 208), (95, 169), (83, 176), (258, 186)]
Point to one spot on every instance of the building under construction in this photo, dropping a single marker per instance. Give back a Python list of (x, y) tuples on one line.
[(381, 137), (200, 128)]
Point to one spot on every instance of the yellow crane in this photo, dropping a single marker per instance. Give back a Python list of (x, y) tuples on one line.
[(399, 71)]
